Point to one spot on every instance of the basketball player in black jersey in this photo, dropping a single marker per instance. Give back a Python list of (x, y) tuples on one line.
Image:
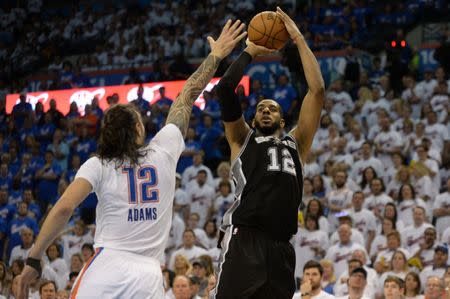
[(257, 260)]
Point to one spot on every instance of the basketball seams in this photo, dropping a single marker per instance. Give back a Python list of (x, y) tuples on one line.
[(268, 35), (271, 29), (265, 35)]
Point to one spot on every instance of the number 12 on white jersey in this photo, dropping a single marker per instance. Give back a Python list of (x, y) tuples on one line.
[(147, 177)]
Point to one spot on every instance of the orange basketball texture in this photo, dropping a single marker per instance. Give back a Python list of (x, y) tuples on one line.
[(268, 30)]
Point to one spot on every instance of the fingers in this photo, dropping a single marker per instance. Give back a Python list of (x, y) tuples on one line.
[(227, 26), (239, 30), (282, 14), (241, 36), (235, 25), (211, 41)]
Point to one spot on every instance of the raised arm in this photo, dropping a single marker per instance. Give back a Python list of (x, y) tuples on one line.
[(180, 112), (309, 117), (236, 129)]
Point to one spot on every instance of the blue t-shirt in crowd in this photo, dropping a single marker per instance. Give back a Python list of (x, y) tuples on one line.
[(7, 212), (3, 231), (15, 196), (212, 108), (48, 189), (85, 148), (18, 108), (284, 95), (14, 228), (209, 141), (6, 182), (186, 161)]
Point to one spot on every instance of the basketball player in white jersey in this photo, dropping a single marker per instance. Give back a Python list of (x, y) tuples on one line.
[(135, 184)]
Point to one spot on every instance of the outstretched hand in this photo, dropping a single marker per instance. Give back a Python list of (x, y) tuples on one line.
[(255, 50), (290, 25), (231, 34)]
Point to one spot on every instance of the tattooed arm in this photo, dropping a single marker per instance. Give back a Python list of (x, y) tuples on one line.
[(180, 112)]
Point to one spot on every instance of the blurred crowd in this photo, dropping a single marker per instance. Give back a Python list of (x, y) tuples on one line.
[(37, 36)]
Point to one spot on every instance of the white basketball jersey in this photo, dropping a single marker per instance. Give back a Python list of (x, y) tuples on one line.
[(134, 210)]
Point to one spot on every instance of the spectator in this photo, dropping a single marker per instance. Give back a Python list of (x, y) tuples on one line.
[(17, 224), (21, 251), (439, 266), (47, 290), (182, 287), (285, 95), (21, 111), (310, 244), (340, 253), (412, 235), (367, 159), (413, 286), (188, 249), (426, 250), (356, 284), (394, 288), (363, 219), (55, 114), (434, 287), (339, 198), (380, 242), (56, 262), (190, 172), (48, 177), (201, 196), (311, 287), (328, 277), (60, 149), (441, 210), (341, 99), (406, 202), (399, 268)]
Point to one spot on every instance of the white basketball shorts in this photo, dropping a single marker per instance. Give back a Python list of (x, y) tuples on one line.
[(112, 274)]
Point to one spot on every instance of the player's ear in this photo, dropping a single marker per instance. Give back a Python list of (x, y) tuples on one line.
[(282, 123), (253, 123)]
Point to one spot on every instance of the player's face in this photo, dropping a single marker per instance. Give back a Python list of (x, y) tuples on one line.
[(268, 117), (392, 290)]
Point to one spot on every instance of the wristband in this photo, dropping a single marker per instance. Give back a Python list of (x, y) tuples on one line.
[(35, 264)]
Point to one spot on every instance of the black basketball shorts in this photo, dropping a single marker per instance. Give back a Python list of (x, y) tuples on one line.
[(254, 266)]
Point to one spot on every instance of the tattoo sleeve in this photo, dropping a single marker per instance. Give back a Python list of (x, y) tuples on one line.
[(180, 112)]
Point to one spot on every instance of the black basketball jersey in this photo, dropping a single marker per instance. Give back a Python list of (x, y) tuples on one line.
[(269, 186)]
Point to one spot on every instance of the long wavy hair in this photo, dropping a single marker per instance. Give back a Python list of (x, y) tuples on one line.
[(118, 136)]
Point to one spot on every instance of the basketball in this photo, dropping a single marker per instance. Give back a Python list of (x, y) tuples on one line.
[(268, 30)]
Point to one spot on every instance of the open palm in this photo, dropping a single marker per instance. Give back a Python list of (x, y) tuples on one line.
[(231, 34)]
